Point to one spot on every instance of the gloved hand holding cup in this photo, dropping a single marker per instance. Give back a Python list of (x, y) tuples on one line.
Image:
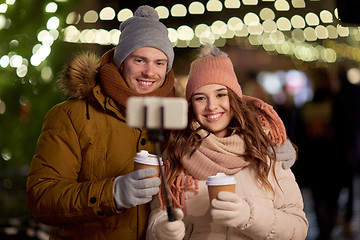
[(220, 182)]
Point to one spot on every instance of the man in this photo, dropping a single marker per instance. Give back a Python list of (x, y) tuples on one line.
[(81, 181)]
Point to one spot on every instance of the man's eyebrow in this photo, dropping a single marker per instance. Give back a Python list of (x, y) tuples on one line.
[(145, 58)]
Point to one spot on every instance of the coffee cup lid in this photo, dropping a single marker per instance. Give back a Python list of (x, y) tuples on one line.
[(144, 157), (220, 179)]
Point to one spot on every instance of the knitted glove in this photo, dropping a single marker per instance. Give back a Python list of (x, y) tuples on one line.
[(132, 189), (286, 153), (165, 230), (230, 210)]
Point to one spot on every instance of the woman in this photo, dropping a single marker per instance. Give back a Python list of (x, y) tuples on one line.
[(228, 133)]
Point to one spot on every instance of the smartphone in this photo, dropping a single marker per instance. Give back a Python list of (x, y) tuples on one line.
[(157, 112)]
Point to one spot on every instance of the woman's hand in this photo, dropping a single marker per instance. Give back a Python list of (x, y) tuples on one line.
[(230, 210)]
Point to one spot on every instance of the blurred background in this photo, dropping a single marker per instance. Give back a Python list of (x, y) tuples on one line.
[(301, 56)]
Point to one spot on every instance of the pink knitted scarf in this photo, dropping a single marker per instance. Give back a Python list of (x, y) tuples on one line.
[(213, 156), (269, 119)]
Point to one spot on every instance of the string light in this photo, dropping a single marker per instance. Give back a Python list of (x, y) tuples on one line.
[(300, 29)]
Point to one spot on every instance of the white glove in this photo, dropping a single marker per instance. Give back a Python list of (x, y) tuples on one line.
[(134, 188), (285, 153), (165, 230), (230, 210)]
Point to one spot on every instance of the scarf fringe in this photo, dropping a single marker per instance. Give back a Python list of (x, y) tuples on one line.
[(268, 117), (177, 190)]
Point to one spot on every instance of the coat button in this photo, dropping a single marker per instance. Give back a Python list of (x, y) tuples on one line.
[(100, 213), (143, 141), (93, 200)]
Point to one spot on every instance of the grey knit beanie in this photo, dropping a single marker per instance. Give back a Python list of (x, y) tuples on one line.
[(143, 30)]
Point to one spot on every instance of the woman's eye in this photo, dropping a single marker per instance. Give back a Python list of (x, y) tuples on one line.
[(222, 94), (199, 98)]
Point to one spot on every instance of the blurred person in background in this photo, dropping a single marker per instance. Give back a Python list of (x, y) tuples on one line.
[(346, 107), (234, 134), (81, 180), (326, 153)]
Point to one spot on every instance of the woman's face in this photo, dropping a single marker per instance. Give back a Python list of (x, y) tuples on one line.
[(211, 108)]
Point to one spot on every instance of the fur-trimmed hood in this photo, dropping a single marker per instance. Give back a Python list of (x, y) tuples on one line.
[(78, 77)]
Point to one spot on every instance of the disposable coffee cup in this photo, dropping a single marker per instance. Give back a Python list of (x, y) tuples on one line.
[(218, 183), (144, 159)]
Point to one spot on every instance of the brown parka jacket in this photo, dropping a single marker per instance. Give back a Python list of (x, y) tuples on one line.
[(84, 144)]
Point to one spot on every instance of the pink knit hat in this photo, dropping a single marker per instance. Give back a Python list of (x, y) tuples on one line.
[(215, 67), (212, 70)]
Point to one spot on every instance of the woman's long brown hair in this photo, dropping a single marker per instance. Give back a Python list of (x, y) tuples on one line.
[(245, 123)]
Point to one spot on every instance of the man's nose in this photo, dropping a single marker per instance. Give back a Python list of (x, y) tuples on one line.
[(149, 70)]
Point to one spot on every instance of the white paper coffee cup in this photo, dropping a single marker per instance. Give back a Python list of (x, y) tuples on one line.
[(144, 159), (220, 182)]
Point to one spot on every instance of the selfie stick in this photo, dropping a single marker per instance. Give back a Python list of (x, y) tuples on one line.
[(156, 136)]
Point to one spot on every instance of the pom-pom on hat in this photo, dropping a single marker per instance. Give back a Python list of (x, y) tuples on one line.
[(143, 30), (212, 67)]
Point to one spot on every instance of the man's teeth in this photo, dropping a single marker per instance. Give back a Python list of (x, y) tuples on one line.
[(214, 116), (145, 83)]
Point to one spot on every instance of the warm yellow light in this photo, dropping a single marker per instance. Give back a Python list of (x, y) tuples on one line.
[(282, 5), (107, 13), (269, 26), (90, 17), (214, 6), (251, 19), (124, 14), (218, 27), (163, 12), (235, 24), (298, 35), (250, 2), (283, 24), (51, 7), (178, 10), (321, 32), (326, 16), (297, 21), (232, 4), (333, 34), (185, 33), (196, 8), (53, 23), (267, 13), (312, 19), (298, 3), (310, 34), (73, 18)]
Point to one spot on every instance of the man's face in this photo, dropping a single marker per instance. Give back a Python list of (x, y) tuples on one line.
[(144, 70)]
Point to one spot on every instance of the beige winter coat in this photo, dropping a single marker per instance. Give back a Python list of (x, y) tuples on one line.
[(272, 216)]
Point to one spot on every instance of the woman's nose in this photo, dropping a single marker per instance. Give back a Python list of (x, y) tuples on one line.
[(212, 104)]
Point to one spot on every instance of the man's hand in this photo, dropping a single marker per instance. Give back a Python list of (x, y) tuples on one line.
[(285, 153), (134, 188)]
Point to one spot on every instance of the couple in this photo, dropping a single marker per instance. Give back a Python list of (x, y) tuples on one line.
[(81, 180)]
